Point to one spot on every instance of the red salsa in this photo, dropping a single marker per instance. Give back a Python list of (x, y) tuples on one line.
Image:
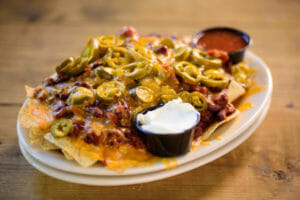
[(222, 40)]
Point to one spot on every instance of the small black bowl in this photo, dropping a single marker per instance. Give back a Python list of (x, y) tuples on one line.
[(235, 56), (166, 145)]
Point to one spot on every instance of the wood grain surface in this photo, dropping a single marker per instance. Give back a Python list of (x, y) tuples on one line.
[(36, 35)]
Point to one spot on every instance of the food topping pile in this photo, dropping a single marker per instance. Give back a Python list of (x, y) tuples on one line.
[(90, 103)]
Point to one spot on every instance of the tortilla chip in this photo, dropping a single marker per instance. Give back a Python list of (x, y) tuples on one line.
[(235, 90), (36, 136), (29, 91), (211, 129), (66, 145), (34, 113), (67, 155), (24, 118)]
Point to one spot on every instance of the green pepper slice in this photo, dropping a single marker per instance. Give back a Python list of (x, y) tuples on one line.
[(116, 57), (182, 53), (214, 78), (141, 53), (80, 95), (91, 51), (201, 58), (189, 72), (109, 91), (61, 128), (144, 94), (109, 41), (104, 73), (168, 42), (185, 96), (198, 100), (71, 66), (136, 70)]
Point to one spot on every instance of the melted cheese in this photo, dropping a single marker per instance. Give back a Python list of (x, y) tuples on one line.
[(253, 91), (204, 142), (245, 106), (169, 163), (40, 113), (91, 151), (119, 159), (126, 156), (218, 138)]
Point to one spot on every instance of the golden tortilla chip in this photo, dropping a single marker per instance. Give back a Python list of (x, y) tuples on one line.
[(66, 145), (35, 114), (67, 155), (234, 91), (29, 91), (36, 136), (24, 118), (211, 129)]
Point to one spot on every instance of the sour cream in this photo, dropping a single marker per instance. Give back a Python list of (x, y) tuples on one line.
[(173, 117)]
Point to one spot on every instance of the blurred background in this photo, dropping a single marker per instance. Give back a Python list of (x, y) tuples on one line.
[(37, 35)]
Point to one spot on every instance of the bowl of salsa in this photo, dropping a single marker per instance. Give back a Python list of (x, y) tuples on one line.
[(230, 40)]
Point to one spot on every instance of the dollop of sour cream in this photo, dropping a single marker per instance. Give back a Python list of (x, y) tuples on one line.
[(173, 117)]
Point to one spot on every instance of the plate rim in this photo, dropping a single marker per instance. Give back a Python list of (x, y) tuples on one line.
[(149, 177)]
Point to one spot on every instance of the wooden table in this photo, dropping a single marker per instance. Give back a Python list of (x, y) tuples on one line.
[(37, 35)]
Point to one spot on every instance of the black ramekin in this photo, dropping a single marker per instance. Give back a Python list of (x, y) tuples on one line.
[(235, 56), (166, 145)]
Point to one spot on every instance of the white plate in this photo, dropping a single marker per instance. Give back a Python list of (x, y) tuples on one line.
[(229, 132), (148, 177)]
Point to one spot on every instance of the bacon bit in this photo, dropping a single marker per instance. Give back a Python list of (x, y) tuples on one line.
[(221, 99), (48, 82), (128, 31), (122, 112), (198, 132), (227, 66), (213, 107), (82, 84), (221, 115), (91, 138), (40, 94), (229, 109), (77, 110), (199, 129), (87, 68), (115, 137), (199, 88), (171, 76), (95, 64), (64, 112), (78, 127), (95, 111), (206, 116), (61, 78), (98, 104), (112, 117), (161, 49), (223, 55), (63, 94)]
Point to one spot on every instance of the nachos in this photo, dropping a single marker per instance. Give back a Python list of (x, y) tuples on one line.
[(87, 108)]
